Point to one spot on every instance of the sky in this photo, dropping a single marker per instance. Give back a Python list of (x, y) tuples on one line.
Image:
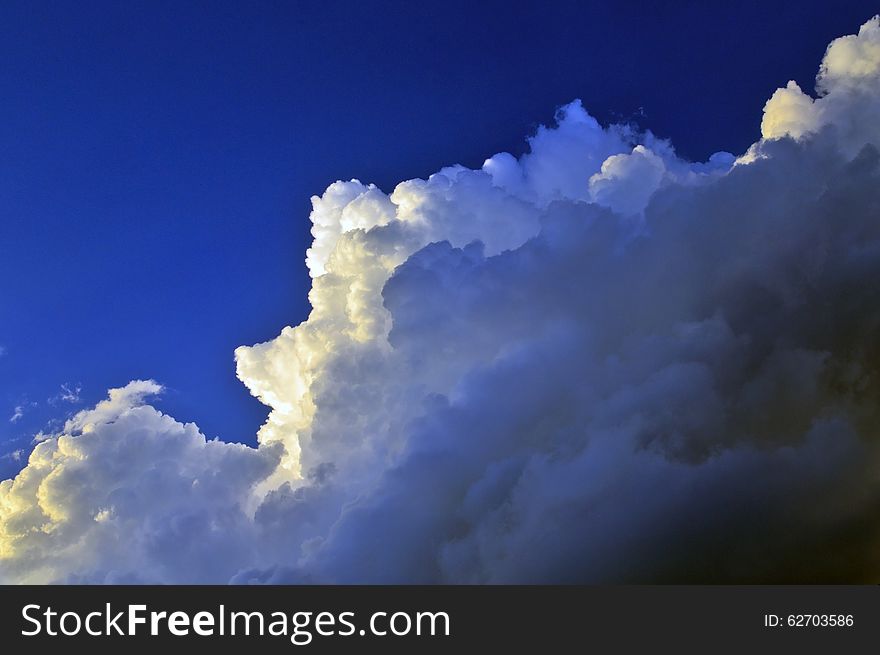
[(158, 163), (158, 158)]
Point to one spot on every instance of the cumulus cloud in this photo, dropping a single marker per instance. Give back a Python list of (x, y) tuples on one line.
[(790, 112), (626, 182), (597, 362), (126, 494), (847, 101)]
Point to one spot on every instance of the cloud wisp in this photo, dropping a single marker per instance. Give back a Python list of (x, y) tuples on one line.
[(595, 363)]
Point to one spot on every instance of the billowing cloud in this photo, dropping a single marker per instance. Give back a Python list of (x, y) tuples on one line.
[(596, 362), (847, 102), (69, 393), (126, 494)]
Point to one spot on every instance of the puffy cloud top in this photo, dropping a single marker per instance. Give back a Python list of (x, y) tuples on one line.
[(595, 362), (852, 62), (126, 494), (848, 84)]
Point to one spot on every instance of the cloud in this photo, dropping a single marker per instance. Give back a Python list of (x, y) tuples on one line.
[(790, 112), (70, 393), (595, 363), (20, 410), (847, 102), (127, 494)]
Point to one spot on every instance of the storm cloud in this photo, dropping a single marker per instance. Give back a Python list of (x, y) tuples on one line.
[(595, 363)]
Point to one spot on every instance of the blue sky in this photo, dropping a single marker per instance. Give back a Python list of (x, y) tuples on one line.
[(157, 159)]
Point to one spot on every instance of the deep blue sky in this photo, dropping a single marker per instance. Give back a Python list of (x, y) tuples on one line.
[(157, 159)]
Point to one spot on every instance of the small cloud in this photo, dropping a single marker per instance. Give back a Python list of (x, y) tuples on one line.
[(42, 436), (15, 455), (69, 393), (53, 429), (14, 451), (20, 411)]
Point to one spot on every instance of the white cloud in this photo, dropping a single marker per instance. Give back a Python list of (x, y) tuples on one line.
[(20, 410), (848, 84), (627, 181), (14, 455), (126, 493), (70, 393), (790, 112), (504, 377)]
